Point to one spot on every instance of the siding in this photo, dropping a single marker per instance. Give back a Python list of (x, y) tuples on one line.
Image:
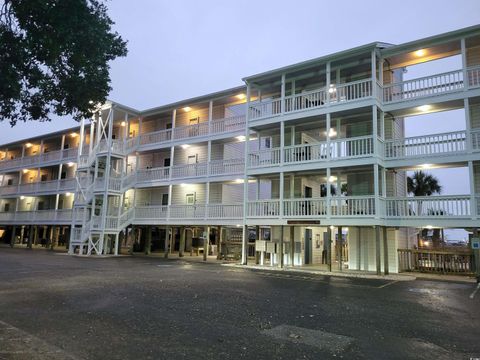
[(473, 55), (474, 115)]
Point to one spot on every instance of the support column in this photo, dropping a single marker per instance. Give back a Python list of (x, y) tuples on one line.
[(378, 256), (181, 246), (30, 237), (292, 246), (148, 240), (385, 251), (206, 243), (167, 242), (359, 248), (219, 242), (329, 248), (340, 248), (280, 249), (244, 245), (116, 245), (12, 239)]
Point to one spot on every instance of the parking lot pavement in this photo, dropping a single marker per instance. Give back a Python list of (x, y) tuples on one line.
[(55, 306)]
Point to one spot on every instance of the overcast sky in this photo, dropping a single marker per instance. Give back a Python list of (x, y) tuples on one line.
[(180, 49)]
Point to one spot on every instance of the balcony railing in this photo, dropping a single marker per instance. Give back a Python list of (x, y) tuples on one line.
[(306, 207), (475, 134), (263, 208), (189, 170), (197, 211), (265, 157), (190, 131), (227, 167), (39, 187), (155, 174), (428, 207), (427, 145), (39, 159), (39, 216), (425, 86)]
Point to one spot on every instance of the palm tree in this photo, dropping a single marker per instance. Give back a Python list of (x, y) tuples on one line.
[(423, 184)]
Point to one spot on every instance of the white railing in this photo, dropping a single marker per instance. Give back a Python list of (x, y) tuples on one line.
[(352, 206), (224, 211), (475, 134), (226, 167), (8, 190), (425, 86), (190, 131), (473, 75), (306, 100), (187, 211), (453, 142), (39, 187), (306, 152), (352, 91), (151, 212), (40, 159), (155, 137), (155, 174), (306, 207), (263, 208), (266, 108), (38, 216), (189, 170), (234, 123), (428, 206), (265, 157), (351, 147)]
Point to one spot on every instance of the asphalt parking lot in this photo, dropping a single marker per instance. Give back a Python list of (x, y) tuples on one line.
[(53, 306)]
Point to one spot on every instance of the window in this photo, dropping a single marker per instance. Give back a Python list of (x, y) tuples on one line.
[(192, 159), (63, 175), (164, 199), (41, 205), (43, 177), (6, 207), (10, 182), (190, 199)]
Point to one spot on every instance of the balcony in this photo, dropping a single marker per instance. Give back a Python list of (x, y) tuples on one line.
[(215, 127), (39, 160), (339, 149), (42, 187), (314, 99), (405, 208), (39, 217), (181, 212)]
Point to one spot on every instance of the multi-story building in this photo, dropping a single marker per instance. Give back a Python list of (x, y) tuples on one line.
[(303, 165)]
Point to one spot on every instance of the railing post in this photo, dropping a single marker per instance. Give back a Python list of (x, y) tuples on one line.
[(329, 194), (376, 191), (327, 88), (374, 73), (473, 200), (464, 64)]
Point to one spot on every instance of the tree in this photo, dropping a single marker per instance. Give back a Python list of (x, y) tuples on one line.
[(54, 58), (422, 184)]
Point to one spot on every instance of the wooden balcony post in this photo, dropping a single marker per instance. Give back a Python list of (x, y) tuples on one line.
[(12, 238), (374, 73), (329, 248), (385, 251), (327, 94), (340, 248), (468, 126), (328, 126), (463, 49), (148, 240), (206, 243), (280, 248), (181, 247), (210, 116), (282, 90), (166, 242), (329, 194), (378, 256), (473, 206), (292, 245), (376, 189), (244, 245)]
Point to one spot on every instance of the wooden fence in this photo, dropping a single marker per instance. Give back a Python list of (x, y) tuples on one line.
[(443, 262)]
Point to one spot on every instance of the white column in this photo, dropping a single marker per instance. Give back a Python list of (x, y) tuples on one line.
[(209, 155), (282, 105), (281, 193), (328, 82), (375, 131), (329, 124), (210, 116), (245, 176), (376, 190), (464, 64), (329, 193), (468, 126), (473, 205), (374, 73), (207, 199), (282, 142)]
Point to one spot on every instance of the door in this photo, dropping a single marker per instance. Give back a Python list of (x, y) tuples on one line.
[(308, 246), (308, 204), (166, 165)]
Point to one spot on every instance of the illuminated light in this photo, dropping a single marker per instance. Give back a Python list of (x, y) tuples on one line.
[(73, 135), (240, 96), (332, 179), (332, 132), (187, 108), (185, 146), (70, 164), (22, 197), (420, 52), (426, 166), (332, 89), (239, 181), (25, 171), (332, 227), (28, 145), (424, 108), (345, 229), (68, 194), (238, 225), (241, 138), (183, 185), (429, 227), (91, 102), (123, 124), (426, 243)]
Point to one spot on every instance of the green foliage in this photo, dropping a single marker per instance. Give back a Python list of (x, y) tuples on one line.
[(54, 58), (422, 184)]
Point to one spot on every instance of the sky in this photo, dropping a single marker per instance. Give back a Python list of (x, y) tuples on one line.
[(181, 49)]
